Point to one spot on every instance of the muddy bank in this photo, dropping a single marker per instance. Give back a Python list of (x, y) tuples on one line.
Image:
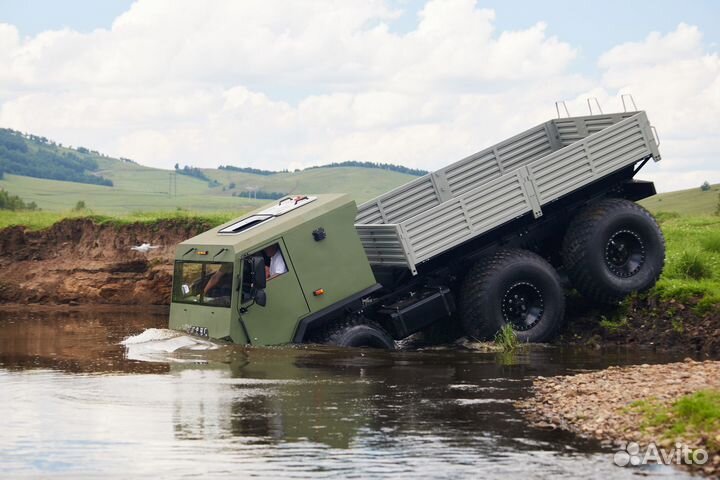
[(78, 261), (608, 404), (644, 320)]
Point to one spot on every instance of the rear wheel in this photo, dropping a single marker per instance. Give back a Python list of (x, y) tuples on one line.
[(358, 332), (514, 287), (613, 248)]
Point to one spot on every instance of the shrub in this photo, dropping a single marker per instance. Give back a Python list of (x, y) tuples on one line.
[(692, 264), (705, 186), (711, 242), (13, 202), (506, 338), (79, 206), (664, 216)]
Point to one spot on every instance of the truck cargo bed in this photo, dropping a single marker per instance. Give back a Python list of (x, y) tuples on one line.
[(428, 216)]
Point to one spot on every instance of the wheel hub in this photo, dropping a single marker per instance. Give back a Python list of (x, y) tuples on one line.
[(522, 306), (625, 253)]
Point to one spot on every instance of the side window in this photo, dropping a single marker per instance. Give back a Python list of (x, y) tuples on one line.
[(274, 261)]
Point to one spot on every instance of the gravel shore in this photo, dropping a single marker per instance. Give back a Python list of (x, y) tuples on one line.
[(601, 404)]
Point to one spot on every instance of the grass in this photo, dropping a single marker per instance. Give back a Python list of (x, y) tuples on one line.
[(138, 188), (692, 267), (507, 339), (360, 183), (126, 197), (35, 220), (614, 325), (711, 242), (685, 202), (693, 415)]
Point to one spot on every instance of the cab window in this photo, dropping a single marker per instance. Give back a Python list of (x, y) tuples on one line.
[(204, 283), (274, 261)]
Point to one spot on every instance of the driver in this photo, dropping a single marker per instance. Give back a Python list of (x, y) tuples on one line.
[(277, 263), (219, 278)]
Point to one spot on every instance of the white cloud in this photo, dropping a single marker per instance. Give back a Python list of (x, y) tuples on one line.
[(288, 84), (678, 82)]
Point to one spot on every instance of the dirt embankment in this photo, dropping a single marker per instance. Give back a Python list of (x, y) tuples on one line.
[(77, 261), (644, 320)]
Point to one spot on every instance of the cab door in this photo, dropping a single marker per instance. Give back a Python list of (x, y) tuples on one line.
[(275, 322)]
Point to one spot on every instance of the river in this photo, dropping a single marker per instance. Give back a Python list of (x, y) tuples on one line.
[(112, 394)]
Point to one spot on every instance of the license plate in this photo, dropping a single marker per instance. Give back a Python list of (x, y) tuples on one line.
[(199, 331)]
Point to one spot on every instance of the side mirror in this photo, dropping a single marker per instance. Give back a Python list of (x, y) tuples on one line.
[(260, 297), (257, 267)]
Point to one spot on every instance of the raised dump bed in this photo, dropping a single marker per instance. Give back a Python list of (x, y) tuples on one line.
[(428, 216)]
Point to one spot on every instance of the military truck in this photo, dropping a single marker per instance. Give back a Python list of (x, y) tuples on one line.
[(494, 239)]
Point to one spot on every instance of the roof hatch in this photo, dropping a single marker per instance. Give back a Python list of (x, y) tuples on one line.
[(287, 204)]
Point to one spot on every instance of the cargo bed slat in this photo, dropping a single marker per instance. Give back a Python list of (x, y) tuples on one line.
[(436, 212)]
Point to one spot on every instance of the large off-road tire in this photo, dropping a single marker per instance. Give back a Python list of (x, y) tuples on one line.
[(514, 287), (357, 332), (613, 248)]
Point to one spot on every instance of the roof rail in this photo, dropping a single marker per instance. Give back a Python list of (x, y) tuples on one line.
[(631, 100), (596, 103), (557, 107)]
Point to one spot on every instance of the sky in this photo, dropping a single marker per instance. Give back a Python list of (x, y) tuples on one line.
[(276, 84)]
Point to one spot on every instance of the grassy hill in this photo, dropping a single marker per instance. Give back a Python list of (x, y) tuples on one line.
[(34, 156), (685, 202), (136, 188), (361, 183)]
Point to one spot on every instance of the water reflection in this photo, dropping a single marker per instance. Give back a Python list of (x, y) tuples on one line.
[(81, 405)]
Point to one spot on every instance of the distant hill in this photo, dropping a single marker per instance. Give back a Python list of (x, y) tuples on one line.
[(350, 163), (692, 201), (34, 156), (56, 177)]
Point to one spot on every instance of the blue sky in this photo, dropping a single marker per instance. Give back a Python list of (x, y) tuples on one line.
[(286, 84)]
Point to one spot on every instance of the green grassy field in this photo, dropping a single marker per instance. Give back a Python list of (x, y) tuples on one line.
[(692, 264), (686, 202), (37, 220), (137, 188), (361, 183)]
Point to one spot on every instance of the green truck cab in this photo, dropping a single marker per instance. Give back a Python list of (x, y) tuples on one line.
[(324, 261), (491, 240)]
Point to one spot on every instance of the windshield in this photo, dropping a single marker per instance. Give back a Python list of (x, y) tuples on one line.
[(203, 282)]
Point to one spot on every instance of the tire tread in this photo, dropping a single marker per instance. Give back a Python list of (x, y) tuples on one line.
[(579, 233), (478, 281)]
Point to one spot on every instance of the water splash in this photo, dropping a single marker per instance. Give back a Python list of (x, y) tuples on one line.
[(164, 345)]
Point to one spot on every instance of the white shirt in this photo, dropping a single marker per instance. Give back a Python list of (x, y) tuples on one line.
[(277, 264)]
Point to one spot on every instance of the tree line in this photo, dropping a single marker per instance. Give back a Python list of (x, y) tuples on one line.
[(382, 166), (253, 171), (19, 159), (260, 194), (192, 172), (350, 163)]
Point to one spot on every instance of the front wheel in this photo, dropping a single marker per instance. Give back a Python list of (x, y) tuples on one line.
[(516, 288), (612, 249), (358, 332)]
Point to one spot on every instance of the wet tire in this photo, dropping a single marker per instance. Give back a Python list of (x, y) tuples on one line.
[(358, 332), (515, 287), (613, 248)]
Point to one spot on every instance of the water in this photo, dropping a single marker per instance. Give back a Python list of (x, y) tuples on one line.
[(79, 404)]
